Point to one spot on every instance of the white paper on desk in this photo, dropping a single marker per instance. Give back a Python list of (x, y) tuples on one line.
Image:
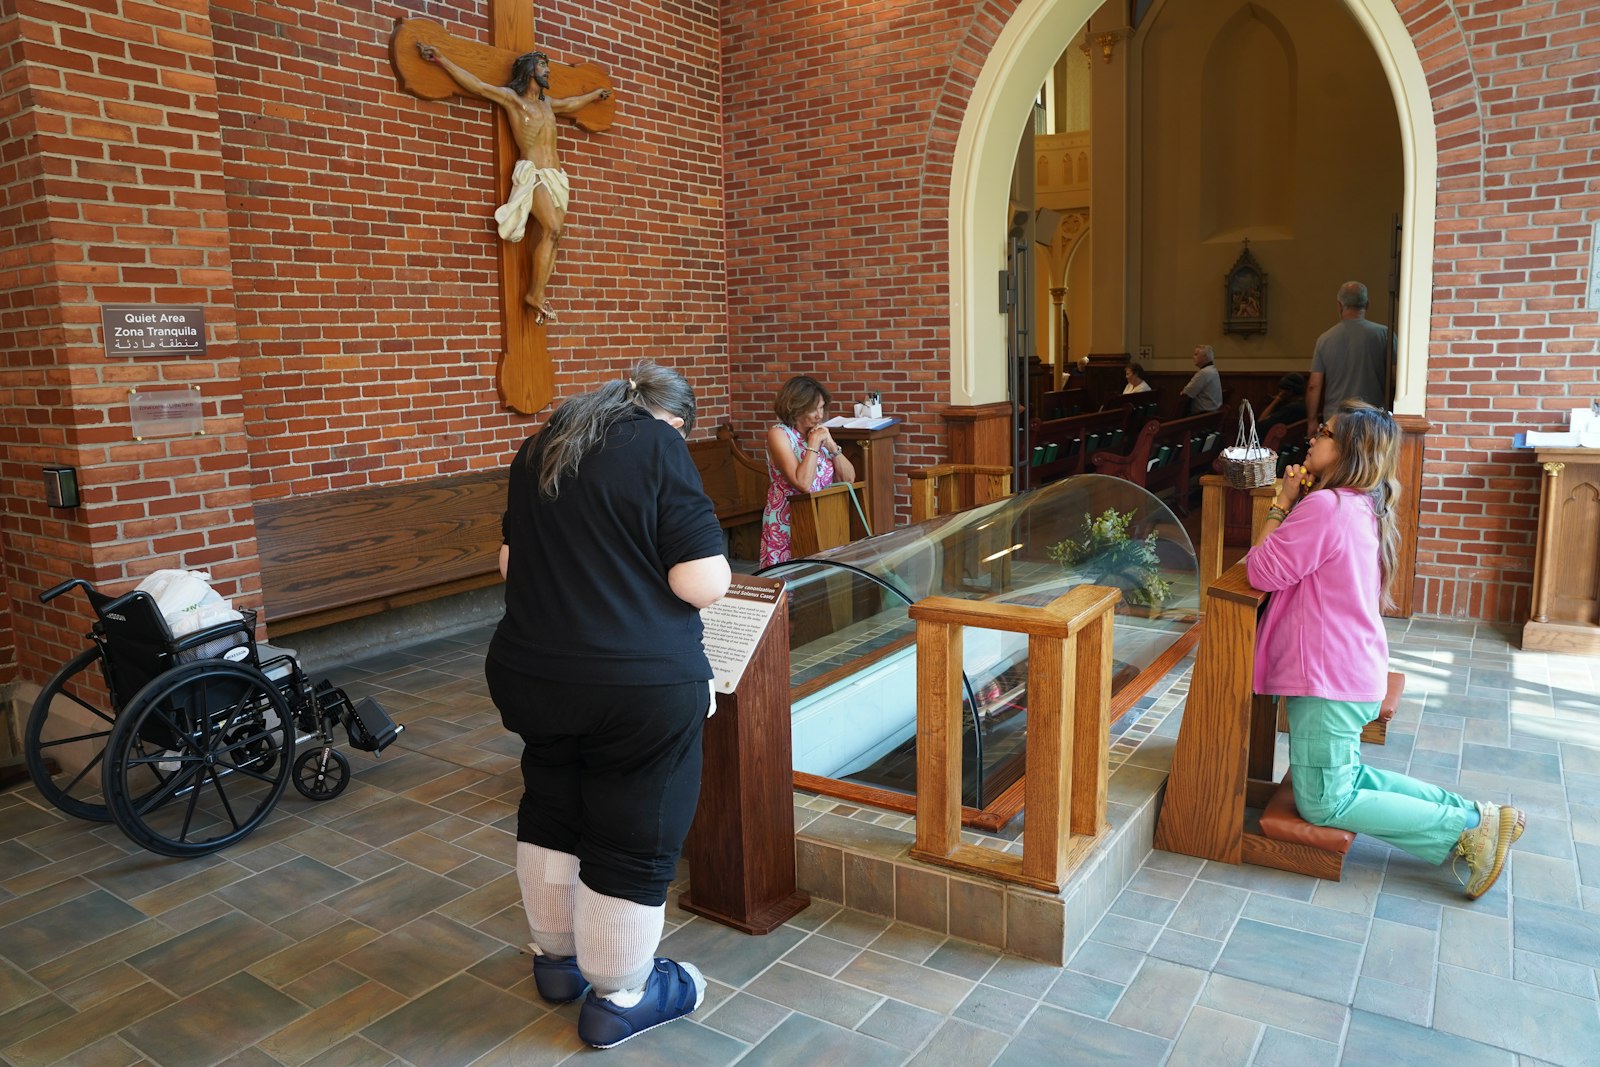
[(841, 422), (1552, 439), (734, 626)]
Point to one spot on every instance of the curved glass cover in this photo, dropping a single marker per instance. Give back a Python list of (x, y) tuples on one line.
[(853, 647)]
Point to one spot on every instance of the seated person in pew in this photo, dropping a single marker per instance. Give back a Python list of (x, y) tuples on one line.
[(1204, 390), (801, 458), (1287, 406), (1327, 557), (1133, 374)]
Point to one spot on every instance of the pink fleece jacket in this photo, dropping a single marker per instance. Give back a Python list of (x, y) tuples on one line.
[(1323, 635)]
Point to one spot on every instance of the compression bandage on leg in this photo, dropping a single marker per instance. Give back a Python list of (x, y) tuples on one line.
[(547, 878), (616, 943)]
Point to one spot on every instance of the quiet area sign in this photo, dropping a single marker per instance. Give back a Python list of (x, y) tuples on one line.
[(154, 329)]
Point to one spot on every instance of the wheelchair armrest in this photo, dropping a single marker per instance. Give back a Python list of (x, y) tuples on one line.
[(245, 625)]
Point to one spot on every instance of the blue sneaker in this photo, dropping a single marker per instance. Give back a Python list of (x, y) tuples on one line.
[(558, 978), (672, 991)]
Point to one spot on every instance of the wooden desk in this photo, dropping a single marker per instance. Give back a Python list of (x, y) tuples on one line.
[(1566, 573), (872, 453)]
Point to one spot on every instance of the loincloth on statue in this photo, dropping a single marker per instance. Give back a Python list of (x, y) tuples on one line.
[(525, 178)]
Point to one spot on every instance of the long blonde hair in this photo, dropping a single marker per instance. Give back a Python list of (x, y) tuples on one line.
[(1369, 458)]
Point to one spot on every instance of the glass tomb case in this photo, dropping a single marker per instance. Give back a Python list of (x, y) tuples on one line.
[(853, 647)]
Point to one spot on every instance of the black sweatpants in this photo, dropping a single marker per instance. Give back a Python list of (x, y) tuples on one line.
[(610, 774)]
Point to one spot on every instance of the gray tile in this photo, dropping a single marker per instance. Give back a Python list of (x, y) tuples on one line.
[(995, 1009), (925, 988), (1208, 910), (1419, 913), (1378, 1041), (822, 998), (1126, 933), (1401, 955), (413, 958), (801, 1041), (746, 1018), (451, 1025), (1028, 977), (1159, 998), (1215, 1039), (821, 954), (1287, 1010), (70, 925), (1344, 925), (207, 1026), (963, 959), (1283, 1048), (962, 1043), (1051, 1030), (901, 1024), (1396, 1001), (1201, 952), (1321, 967), (1110, 963), (1526, 1018), (1551, 930), (1564, 976), (191, 961), (726, 955), (1144, 907)]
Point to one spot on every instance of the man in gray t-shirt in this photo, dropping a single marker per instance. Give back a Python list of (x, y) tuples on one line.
[(1204, 390), (1351, 361)]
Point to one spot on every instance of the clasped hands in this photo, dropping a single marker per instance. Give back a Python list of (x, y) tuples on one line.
[(819, 439), (1296, 480)]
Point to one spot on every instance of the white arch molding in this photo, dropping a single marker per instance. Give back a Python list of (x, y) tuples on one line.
[(980, 183)]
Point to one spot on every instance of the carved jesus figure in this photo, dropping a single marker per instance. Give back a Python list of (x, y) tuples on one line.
[(538, 184)]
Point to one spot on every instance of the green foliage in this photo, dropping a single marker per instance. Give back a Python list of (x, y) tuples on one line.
[(1104, 554)]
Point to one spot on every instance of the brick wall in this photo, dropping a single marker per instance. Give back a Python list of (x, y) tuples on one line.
[(841, 125), (114, 194), (339, 234), (1513, 346), (365, 250)]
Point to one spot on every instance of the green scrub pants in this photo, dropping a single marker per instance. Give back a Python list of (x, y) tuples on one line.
[(1332, 787)]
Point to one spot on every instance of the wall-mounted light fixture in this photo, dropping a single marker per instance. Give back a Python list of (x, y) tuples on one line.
[(61, 487)]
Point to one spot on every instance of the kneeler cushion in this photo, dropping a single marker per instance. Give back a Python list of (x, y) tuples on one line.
[(1282, 822)]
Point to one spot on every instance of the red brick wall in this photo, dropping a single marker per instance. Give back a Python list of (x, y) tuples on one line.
[(1512, 345), (841, 124), (365, 249), (338, 233), (114, 194)]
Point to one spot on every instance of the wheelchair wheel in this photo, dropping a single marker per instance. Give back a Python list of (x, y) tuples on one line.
[(66, 736), (198, 758), (321, 774)]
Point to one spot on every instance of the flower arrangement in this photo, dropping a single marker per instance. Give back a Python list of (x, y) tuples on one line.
[(1103, 553)]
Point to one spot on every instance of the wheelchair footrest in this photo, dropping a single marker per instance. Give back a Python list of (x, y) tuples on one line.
[(371, 728)]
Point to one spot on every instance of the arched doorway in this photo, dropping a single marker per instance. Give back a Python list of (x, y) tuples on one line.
[(1021, 59)]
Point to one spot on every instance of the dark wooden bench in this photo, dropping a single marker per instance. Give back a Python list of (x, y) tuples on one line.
[(1169, 455), (737, 486), (330, 557), (1062, 447)]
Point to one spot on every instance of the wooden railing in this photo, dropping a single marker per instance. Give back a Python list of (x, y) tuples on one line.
[(943, 489), (1213, 520), (1069, 697)]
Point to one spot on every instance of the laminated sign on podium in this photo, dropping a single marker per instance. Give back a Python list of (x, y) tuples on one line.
[(741, 846)]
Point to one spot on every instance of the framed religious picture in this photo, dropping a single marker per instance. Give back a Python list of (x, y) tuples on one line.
[(1244, 295)]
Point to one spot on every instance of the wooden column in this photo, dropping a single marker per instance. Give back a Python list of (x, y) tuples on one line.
[(741, 846), (980, 435), (1413, 441)]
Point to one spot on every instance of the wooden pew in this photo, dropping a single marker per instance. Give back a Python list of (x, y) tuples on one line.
[(737, 486), (939, 490), (330, 557), (1062, 447), (1168, 455), (825, 519)]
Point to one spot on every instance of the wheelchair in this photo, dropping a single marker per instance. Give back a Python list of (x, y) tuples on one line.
[(187, 743)]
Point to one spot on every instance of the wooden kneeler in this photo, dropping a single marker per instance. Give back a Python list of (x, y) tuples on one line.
[(1223, 760)]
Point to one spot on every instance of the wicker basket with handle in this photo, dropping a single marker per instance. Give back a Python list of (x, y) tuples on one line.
[(1247, 465)]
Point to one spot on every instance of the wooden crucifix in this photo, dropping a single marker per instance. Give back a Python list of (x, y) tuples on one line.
[(433, 64)]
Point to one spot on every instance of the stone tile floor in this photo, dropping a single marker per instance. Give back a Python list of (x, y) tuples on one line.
[(384, 927)]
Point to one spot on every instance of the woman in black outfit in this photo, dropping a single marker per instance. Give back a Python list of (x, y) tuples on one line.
[(611, 550)]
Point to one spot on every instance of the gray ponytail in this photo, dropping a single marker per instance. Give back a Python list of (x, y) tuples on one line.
[(580, 425)]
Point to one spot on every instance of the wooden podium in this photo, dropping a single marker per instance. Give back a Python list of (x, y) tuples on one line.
[(1566, 574), (741, 846), (872, 454)]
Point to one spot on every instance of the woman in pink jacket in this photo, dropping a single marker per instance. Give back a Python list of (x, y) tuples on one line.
[(1327, 558)]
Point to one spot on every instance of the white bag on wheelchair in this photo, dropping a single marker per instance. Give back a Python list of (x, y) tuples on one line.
[(188, 603)]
